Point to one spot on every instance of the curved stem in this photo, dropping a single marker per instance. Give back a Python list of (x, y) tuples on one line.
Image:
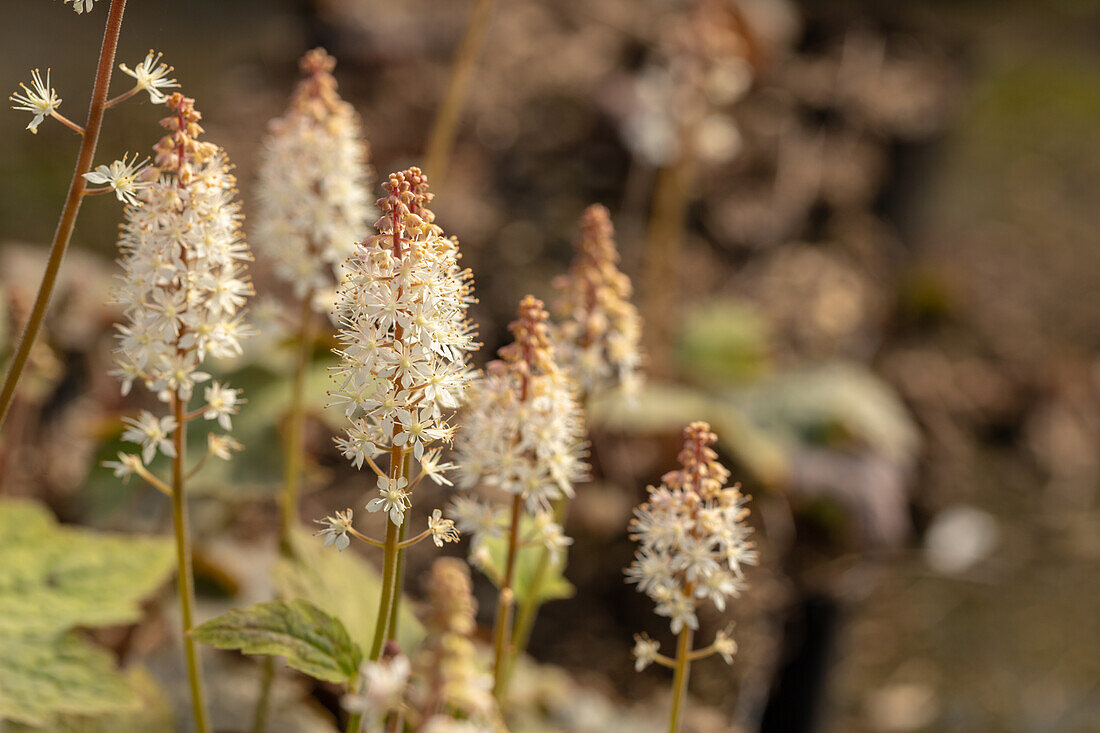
[(292, 468), (184, 572), (67, 122), (506, 602), (450, 109), (122, 97), (67, 221), (680, 678)]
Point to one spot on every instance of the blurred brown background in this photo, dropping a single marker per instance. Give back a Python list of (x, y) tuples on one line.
[(885, 298)]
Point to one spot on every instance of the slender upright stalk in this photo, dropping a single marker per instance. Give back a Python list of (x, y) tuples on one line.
[(294, 458), (506, 602), (450, 109), (183, 562), (680, 675), (67, 221), (391, 633), (263, 702), (664, 241), (389, 580), (529, 606)]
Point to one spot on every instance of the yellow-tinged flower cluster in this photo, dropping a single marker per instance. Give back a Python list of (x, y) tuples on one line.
[(524, 430), (694, 542), (314, 203), (183, 285), (404, 345), (523, 433), (447, 666), (599, 332)]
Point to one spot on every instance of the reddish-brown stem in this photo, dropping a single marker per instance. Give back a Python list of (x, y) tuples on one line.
[(67, 221), (67, 122), (122, 97)]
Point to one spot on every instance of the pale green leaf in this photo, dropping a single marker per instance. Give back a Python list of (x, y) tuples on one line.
[(312, 641), (344, 585), (551, 586), (45, 676), (152, 712), (724, 341), (54, 577)]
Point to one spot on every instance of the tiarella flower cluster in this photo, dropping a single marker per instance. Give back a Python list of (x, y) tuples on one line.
[(523, 433), (183, 284), (443, 688), (599, 330), (313, 185), (404, 345), (694, 542)]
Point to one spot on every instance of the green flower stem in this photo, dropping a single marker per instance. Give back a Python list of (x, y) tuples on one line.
[(529, 606), (184, 574), (680, 678), (391, 632), (506, 603), (389, 581), (292, 480), (399, 578), (263, 702), (292, 468), (67, 221)]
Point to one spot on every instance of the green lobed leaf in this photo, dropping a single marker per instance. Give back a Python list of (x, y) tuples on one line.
[(344, 585), (45, 676), (312, 641), (53, 577)]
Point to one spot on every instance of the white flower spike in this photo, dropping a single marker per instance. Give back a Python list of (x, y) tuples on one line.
[(693, 544), (313, 195), (183, 284)]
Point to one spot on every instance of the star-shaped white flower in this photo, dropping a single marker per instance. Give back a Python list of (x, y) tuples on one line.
[(335, 529), (39, 99), (152, 433), (221, 404), (443, 530), (645, 652), (152, 77), (122, 177), (394, 499), (126, 465), (725, 645)]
